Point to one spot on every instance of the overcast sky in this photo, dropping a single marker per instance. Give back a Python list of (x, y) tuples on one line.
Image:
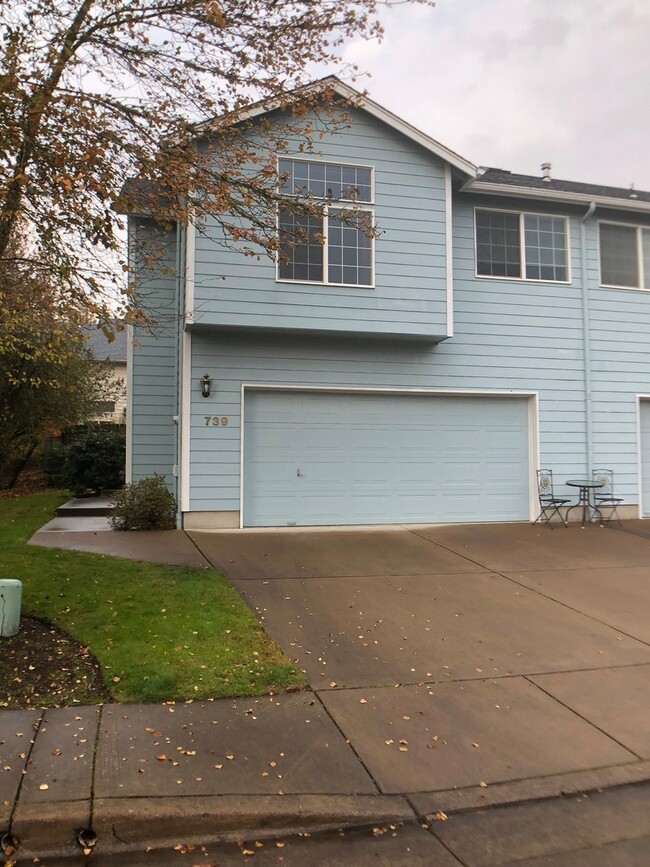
[(515, 83)]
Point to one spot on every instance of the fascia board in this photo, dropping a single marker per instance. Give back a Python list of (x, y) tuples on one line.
[(554, 196)]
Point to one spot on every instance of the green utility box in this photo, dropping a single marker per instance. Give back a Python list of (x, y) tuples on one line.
[(11, 594)]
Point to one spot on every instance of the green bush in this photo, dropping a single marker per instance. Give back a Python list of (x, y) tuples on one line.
[(96, 462), (144, 505), (53, 462)]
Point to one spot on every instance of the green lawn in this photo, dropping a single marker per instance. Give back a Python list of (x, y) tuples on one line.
[(159, 632)]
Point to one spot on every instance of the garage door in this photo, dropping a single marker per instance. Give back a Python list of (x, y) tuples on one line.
[(320, 458), (645, 457)]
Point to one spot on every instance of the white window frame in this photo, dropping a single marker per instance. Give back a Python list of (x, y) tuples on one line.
[(639, 256), (338, 205), (522, 246)]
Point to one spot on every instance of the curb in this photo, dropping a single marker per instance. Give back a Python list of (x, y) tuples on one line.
[(133, 824), (427, 804)]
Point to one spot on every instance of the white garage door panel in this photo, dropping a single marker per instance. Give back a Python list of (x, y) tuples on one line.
[(318, 458)]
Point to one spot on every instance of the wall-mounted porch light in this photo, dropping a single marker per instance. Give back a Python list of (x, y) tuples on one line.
[(206, 385)]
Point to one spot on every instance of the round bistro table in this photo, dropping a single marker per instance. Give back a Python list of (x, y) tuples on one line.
[(585, 500)]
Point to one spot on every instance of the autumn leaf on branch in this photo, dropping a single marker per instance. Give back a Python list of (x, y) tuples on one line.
[(96, 92)]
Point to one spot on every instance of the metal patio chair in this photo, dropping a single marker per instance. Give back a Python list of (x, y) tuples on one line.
[(549, 504), (604, 496)]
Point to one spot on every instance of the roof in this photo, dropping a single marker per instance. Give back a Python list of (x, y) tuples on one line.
[(138, 194), (334, 85), (100, 347), (142, 196), (491, 180)]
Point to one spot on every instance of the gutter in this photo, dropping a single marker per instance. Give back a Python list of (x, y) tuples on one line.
[(476, 186), (586, 333)]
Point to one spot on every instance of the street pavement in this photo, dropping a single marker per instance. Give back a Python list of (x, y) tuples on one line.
[(468, 671)]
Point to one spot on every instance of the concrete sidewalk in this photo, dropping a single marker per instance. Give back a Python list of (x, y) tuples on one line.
[(451, 669), (162, 775)]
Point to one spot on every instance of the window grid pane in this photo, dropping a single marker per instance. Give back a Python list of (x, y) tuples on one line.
[(618, 255), (325, 180), (349, 249), (545, 248), (301, 252), (498, 244)]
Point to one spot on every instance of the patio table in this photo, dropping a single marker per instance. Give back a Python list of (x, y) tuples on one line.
[(585, 499)]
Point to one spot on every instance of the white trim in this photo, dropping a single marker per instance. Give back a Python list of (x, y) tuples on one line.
[(364, 389), (640, 398), (533, 420), (522, 247), (128, 468), (449, 252), (373, 108), (190, 268), (640, 262), (186, 418), (242, 389), (533, 452), (475, 186)]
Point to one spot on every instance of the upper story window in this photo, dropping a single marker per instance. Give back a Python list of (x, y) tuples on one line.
[(624, 256), (521, 246), (334, 245)]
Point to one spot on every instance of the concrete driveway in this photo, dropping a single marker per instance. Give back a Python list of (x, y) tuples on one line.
[(462, 656)]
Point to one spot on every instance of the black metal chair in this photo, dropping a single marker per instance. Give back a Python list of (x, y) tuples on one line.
[(604, 496), (549, 504)]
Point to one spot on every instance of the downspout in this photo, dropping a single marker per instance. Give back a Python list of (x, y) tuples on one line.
[(180, 324), (586, 334)]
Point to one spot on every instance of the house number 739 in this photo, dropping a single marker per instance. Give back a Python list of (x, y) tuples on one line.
[(216, 420)]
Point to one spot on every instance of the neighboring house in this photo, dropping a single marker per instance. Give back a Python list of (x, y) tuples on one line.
[(498, 323), (111, 407)]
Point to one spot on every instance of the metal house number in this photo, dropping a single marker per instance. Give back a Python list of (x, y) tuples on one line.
[(216, 420)]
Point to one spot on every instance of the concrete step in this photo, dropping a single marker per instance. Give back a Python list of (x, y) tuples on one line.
[(86, 507)]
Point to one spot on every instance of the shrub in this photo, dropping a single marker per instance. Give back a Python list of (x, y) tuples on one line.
[(54, 459), (144, 505), (96, 462)]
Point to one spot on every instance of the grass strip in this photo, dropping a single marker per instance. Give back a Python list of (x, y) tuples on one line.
[(159, 632)]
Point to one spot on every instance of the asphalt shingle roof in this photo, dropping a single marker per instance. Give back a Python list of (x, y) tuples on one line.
[(101, 348), (537, 182)]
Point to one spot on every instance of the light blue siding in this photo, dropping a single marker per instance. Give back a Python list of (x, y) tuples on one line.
[(509, 336), (154, 357), (620, 365), (409, 297), (317, 458)]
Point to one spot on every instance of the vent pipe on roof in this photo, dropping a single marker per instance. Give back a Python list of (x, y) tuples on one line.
[(633, 193), (546, 171)]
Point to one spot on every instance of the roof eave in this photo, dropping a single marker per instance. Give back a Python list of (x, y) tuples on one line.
[(475, 186)]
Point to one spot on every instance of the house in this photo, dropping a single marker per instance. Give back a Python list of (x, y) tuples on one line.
[(112, 407), (496, 323)]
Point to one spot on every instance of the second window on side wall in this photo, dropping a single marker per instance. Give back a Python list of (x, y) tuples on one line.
[(333, 246), (521, 246), (624, 256)]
